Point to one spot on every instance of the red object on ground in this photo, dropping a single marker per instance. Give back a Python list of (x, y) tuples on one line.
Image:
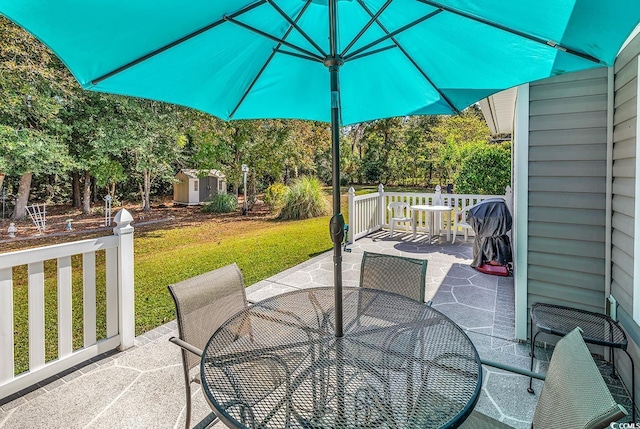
[(496, 270)]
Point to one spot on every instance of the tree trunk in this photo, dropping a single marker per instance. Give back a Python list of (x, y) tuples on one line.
[(1, 179), (20, 210), (94, 192), (86, 194), (147, 191), (77, 200)]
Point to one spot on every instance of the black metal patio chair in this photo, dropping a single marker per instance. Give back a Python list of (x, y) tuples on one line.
[(574, 394), (397, 274)]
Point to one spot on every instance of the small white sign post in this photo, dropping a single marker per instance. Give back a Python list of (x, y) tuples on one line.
[(107, 210), (245, 207)]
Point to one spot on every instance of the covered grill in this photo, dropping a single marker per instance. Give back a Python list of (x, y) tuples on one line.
[(491, 220)]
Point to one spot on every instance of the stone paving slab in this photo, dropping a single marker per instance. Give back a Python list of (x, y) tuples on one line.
[(143, 387)]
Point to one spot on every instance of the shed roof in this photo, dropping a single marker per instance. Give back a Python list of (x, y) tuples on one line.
[(194, 174)]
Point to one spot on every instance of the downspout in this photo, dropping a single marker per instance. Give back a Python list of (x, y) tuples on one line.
[(609, 185), (521, 209)]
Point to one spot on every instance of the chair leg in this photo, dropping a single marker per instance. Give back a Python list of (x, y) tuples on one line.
[(453, 241), (187, 386), (187, 421), (392, 222), (533, 343)]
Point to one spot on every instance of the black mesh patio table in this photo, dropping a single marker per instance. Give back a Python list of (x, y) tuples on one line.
[(400, 364), (596, 329)]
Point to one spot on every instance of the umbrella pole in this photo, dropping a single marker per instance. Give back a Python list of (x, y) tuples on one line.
[(336, 226), (337, 221)]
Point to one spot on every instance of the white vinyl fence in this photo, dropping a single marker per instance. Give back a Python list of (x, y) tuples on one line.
[(120, 323), (368, 213)]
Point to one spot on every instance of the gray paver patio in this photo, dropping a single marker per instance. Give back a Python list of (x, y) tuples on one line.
[(143, 387)]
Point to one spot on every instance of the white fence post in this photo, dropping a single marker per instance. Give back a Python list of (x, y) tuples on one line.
[(382, 207), (352, 214), (126, 315), (6, 325)]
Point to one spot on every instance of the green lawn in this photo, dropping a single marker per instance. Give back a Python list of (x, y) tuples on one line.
[(261, 249)]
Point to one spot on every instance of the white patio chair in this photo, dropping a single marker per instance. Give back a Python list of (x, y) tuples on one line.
[(400, 212), (460, 221)]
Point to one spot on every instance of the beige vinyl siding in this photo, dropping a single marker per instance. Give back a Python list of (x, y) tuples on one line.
[(181, 189), (624, 173), (567, 189)]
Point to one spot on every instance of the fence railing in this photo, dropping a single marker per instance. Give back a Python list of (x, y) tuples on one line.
[(368, 213), (120, 323)]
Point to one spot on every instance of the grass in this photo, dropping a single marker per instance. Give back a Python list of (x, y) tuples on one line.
[(261, 248)]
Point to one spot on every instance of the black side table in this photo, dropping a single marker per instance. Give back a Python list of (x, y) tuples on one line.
[(597, 329)]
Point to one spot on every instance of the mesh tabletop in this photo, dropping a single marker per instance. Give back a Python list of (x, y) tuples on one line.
[(400, 364), (597, 328)]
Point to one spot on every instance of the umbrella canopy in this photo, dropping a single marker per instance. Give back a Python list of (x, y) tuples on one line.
[(248, 59)]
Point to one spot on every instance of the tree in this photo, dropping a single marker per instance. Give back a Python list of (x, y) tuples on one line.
[(485, 170), (34, 86), (421, 147), (147, 138), (381, 137), (275, 150), (91, 117)]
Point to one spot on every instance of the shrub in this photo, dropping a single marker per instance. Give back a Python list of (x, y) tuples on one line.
[(221, 203), (274, 196), (486, 170), (305, 200)]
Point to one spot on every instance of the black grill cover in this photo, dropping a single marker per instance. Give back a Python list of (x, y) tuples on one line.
[(491, 220)]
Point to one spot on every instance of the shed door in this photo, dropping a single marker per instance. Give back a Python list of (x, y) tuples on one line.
[(207, 188)]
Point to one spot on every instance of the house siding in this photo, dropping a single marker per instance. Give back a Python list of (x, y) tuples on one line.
[(625, 141), (567, 170), (624, 172)]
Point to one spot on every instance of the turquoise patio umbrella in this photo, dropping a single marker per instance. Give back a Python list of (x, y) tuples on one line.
[(327, 60)]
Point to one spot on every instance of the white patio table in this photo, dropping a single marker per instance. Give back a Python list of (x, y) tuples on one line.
[(431, 210)]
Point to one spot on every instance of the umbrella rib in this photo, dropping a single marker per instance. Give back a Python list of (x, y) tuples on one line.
[(174, 43), (293, 54), (375, 51), (272, 37), (365, 28), (264, 66), (297, 27), (531, 37), (410, 58), (389, 35)]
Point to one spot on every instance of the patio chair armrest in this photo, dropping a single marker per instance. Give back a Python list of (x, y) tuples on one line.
[(513, 369), (186, 346)]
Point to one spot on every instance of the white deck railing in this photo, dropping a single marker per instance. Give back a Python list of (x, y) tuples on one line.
[(368, 213), (120, 323)]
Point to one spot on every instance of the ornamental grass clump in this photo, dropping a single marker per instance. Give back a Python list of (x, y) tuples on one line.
[(305, 200), (221, 203)]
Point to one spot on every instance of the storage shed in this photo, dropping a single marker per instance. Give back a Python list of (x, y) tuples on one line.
[(198, 186)]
